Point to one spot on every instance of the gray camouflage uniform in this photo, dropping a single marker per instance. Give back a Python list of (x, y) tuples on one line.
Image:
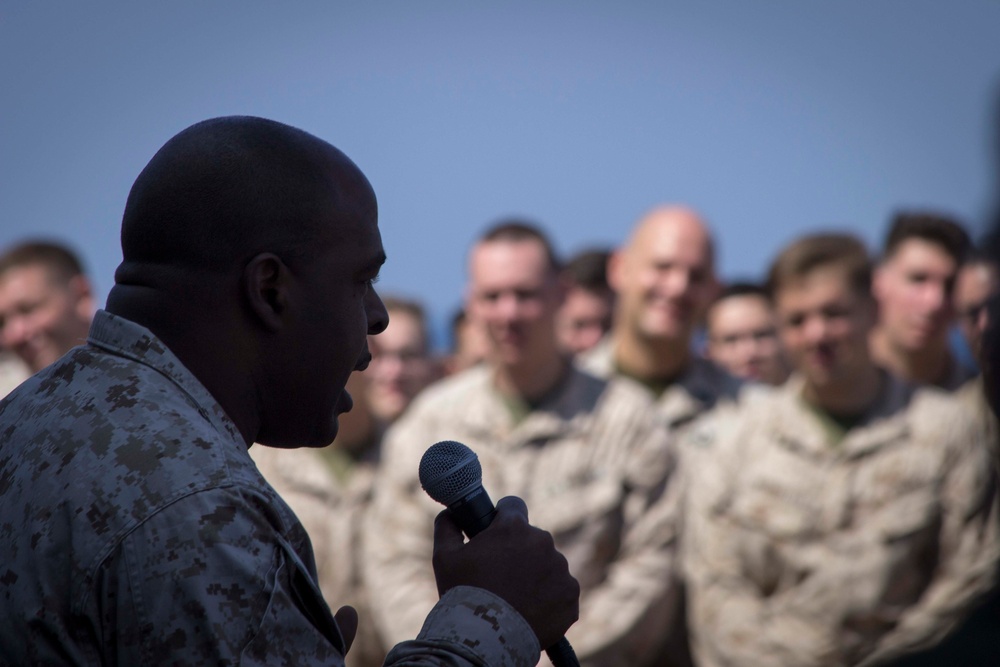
[(799, 550), (588, 462), (135, 530)]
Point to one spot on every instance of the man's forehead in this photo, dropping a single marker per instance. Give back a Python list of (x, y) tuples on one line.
[(915, 252), (821, 282), (672, 242), (506, 258), (30, 275)]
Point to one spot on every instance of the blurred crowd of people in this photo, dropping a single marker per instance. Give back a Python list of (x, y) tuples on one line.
[(796, 471)]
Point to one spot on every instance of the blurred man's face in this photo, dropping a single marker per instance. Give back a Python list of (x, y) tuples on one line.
[(584, 318), (743, 339), (42, 318), (976, 284), (824, 325), (914, 290), (514, 294), (400, 367), (664, 279)]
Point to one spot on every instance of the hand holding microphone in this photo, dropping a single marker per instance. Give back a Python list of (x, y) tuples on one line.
[(508, 557)]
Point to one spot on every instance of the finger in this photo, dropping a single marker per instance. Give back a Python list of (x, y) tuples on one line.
[(513, 504), (347, 621), (447, 535)]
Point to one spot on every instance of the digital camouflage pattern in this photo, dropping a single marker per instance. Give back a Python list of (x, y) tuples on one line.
[(135, 530), (799, 550), (589, 461)]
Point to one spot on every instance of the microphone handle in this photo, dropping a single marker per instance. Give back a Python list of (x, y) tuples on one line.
[(473, 514)]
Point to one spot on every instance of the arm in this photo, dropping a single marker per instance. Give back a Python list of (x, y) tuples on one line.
[(212, 579), (969, 540)]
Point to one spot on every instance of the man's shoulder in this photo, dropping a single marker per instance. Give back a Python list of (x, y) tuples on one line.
[(616, 393), (139, 441), (950, 418), (454, 391), (711, 384)]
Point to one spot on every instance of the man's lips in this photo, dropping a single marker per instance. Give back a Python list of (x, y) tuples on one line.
[(346, 402), (363, 362)]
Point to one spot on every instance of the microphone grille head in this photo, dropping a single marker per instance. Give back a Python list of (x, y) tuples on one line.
[(449, 470)]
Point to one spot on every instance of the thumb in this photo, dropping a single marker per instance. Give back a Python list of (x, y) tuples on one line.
[(513, 504), (448, 540), (347, 621), (447, 535)]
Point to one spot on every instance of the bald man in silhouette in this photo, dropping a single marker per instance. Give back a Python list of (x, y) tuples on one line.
[(134, 527)]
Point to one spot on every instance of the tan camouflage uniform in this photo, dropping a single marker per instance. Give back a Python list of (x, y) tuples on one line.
[(699, 389), (588, 462), (333, 512), (799, 550), (13, 372), (135, 530)]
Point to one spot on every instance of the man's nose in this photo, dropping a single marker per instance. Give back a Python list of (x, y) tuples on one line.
[(677, 282), (508, 306), (378, 316), (815, 329)]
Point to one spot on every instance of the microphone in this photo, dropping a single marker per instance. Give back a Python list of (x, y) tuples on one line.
[(451, 474)]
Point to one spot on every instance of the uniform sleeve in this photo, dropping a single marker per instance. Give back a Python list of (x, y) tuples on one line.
[(470, 626), (969, 542), (398, 536), (211, 580)]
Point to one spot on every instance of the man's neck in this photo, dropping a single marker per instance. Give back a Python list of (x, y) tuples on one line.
[(226, 383), (853, 397), (649, 360), (530, 382), (931, 365)]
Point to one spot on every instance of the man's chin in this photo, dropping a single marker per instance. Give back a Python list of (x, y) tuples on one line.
[(314, 440)]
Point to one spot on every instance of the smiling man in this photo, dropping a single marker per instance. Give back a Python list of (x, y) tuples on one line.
[(664, 279), (847, 518), (46, 303), (742, 335), (134, 528)]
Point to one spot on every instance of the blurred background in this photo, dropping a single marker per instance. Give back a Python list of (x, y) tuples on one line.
[(772, 118)]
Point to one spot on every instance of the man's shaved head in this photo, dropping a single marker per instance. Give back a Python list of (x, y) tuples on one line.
[(676, 222), (226, 189), (249, 249), (664, 275)]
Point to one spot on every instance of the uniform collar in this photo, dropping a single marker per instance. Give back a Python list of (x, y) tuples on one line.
[(695, 391), (566, 409), (133, 341), (797, 428)]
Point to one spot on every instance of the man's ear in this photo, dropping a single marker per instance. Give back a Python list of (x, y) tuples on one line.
[(880, 280), (83, 296), (267, 283), (614, 270)]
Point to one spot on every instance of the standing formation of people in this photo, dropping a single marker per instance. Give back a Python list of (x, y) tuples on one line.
[(795, 471)]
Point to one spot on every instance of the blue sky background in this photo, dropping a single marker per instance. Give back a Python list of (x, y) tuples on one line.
[(773, 118)]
